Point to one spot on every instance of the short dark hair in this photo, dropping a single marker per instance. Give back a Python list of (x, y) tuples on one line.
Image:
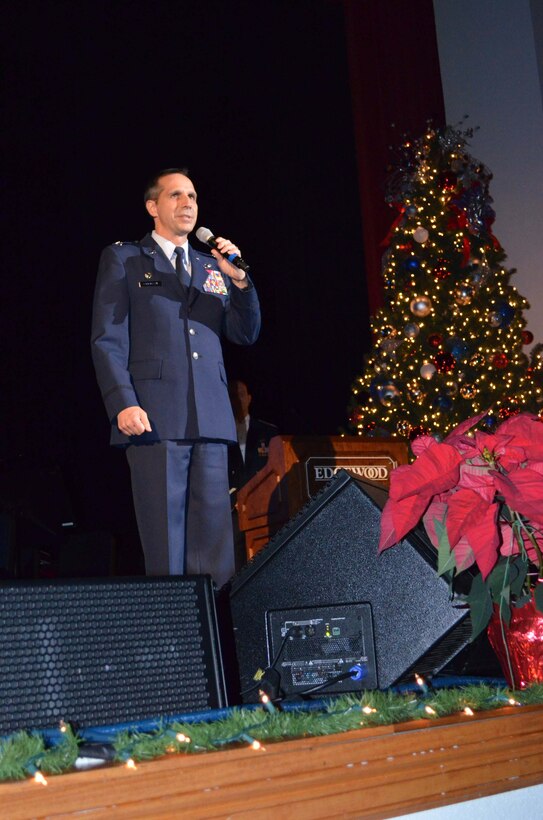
[(153, 187)]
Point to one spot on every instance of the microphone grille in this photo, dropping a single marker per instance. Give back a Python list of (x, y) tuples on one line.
[(204, 234)]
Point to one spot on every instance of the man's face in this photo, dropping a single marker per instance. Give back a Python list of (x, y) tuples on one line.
[(175, 210), (240, 399)]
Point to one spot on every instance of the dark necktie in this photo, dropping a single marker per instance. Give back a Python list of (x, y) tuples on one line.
[(180, 268)]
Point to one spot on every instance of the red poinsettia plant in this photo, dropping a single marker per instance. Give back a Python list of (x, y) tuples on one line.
[(480, 498)]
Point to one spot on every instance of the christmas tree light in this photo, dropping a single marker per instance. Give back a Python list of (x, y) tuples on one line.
[(448, 342)]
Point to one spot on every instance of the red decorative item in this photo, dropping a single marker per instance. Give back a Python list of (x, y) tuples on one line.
[(521, 655), (500, 361), (434, 340), (444, 362), (527, 337)]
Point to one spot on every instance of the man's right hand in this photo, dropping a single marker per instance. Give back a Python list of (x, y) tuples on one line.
[(133, 421)]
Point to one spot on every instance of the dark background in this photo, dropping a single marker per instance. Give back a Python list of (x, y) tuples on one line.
[(254, 98)]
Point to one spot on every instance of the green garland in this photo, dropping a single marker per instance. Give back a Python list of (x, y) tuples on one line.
[(25, 754)]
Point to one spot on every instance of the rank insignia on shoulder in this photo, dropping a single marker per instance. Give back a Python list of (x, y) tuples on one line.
[(215, 283)]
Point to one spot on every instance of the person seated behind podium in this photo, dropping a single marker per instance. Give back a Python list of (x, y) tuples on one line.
[(251, 452)]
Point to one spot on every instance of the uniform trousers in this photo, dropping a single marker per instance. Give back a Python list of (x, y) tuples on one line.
[(182, 504)]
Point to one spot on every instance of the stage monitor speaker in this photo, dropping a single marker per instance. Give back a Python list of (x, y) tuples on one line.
[(326, 556), (102, 652)]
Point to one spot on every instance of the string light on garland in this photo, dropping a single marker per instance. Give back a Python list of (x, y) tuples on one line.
[(430, 710), (24, 754)]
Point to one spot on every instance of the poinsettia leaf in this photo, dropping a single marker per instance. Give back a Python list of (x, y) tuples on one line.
[(421, 443), (522, 490), (463, 554), (501, 577), (477, 477), (484, 539), (464, 426), (399, 517), (445, 558), (525, 431), (505, 607), (388, 535), (522, 599), (538, 596), (480, 603), (466, 509), (436, 470), (517, 583)]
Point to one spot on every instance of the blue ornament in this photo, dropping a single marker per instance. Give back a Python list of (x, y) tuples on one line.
[(506, 313), (457, 347), (411, 264), (443, 402), (376, 385), (489, 421)]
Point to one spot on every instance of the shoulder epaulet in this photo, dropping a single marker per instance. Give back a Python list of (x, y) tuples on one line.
[(126, 242)]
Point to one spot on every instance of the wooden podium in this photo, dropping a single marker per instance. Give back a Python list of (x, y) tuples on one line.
[(298, 468)]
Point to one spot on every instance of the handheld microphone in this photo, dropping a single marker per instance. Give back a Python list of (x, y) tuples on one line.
[(206, 236)]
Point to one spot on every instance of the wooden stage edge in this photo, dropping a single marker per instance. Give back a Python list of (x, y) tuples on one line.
[(367, 773)]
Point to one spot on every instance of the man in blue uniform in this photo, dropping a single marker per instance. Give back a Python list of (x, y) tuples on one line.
[(160, 310)]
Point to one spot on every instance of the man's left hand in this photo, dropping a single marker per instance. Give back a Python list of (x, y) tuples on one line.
[(224, 246)]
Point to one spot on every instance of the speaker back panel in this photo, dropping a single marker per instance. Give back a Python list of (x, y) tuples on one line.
[(328, 555)]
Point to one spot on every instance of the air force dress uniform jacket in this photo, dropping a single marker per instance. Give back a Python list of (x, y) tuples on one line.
[(156, 343)]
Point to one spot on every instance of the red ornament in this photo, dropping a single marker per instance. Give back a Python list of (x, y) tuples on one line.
[(500, 361), (444, 362), (434, 340), (527, 337), (441, 270)]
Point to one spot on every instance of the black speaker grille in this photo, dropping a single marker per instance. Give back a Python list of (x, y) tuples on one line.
[(101, 652)]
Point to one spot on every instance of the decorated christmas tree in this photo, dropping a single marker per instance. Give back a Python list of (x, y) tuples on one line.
[(448, 343)]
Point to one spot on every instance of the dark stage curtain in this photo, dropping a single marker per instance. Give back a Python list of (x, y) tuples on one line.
[(396, 88)]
